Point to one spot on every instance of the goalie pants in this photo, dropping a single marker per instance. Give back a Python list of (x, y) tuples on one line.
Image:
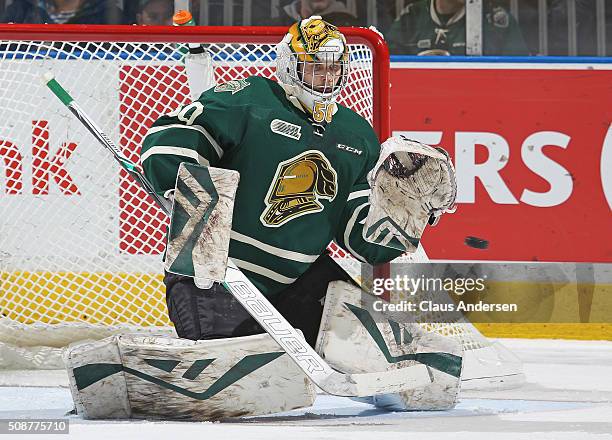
[(214, 313)]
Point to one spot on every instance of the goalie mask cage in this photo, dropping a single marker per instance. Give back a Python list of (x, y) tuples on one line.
[(80, 242)]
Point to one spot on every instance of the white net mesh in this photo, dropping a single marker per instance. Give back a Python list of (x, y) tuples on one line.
[(80, 242)]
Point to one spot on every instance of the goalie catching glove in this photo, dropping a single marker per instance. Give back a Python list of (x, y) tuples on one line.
[(412, 184)]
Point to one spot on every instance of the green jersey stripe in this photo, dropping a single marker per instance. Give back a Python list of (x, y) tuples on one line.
[(278, 252), (357, 194), (198, 128), (188, 139), (174, 151), (287, 268), (263, 271), (271, 287)]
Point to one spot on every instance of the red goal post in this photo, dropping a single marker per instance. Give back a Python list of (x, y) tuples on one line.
[(373, 40), (81, 244)]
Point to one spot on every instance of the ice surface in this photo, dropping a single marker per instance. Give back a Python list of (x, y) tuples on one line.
[(568, 395)]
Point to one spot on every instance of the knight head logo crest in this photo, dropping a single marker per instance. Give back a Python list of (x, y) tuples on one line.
[(297, 187)]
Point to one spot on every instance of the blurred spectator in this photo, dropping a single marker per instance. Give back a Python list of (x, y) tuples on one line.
[(557, 19), (586, 41), (333, 11), (63, 12), (385, 13), (438, 27), (156, 12)]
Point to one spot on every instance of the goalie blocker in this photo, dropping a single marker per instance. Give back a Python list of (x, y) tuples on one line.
[(201, 222)]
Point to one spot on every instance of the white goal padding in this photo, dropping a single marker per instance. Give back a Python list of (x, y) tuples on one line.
[(80, 243)]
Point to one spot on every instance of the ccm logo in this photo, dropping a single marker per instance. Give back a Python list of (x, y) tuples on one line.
[(349, 149)]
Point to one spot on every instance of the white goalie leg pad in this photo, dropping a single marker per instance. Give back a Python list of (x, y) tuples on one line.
[(412, 184), (355, 338), (130, 376), (201, 223)]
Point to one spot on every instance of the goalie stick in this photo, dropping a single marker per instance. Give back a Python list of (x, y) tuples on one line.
[(97, 132), (307, 359)]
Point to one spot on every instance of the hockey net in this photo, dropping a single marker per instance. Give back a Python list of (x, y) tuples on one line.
[(80, 242)]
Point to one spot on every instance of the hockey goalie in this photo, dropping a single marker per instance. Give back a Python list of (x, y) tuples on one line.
[(263, 175)]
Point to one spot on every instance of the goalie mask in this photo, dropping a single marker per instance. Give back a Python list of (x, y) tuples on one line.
[(312, 61)]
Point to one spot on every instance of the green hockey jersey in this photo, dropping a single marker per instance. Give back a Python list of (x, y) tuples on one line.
[(420, 28), (300, 187)]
